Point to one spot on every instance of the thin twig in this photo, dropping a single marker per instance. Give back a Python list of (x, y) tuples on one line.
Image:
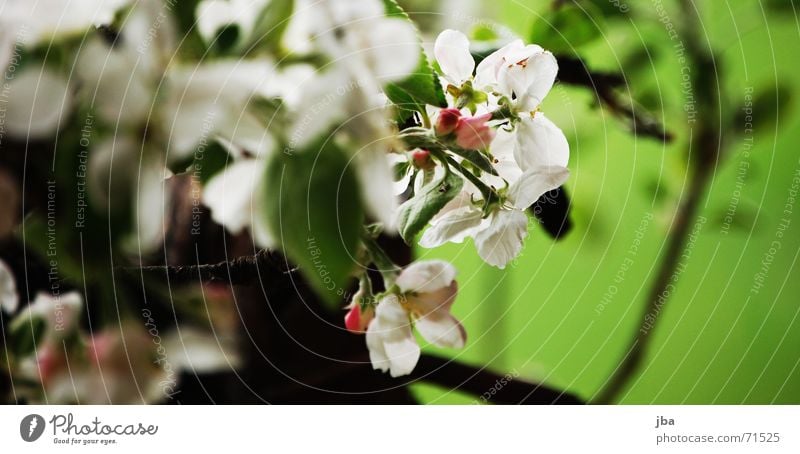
[(239, 271), (573, 71), (707, 145)]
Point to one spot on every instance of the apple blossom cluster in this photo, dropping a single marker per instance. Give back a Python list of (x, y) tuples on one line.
[(331, 125)]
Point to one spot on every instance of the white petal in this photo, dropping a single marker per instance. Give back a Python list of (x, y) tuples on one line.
[(9, 299), (151, 204), (543, 68), (375, 174), (516, 74), (454, 227), (202, 99), (540, 143), (229, 194), (488, 70), (320, 108), (534, 183), (38, 99), (45, 19), (60, 313), (502, 150), (199, 351), (262, 236), (390, 339), (426, 276), (247, 132), (442, 330), (377, 354), (392, 48), (212, 15), (452, 52), (117, 84), (426, 303), (501, 240)]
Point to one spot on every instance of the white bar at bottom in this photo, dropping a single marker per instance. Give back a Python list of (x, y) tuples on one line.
[(403, 429)]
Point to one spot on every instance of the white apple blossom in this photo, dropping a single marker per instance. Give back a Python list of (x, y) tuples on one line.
[(60, 314), (425, 292), (367, 50), (123, 365), (39, 99), (499, 236), (9, 298), (235, 197), (36, 22), (529, 152)]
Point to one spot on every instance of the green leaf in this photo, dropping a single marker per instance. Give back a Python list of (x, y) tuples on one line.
[(479, 159), (421, 87), (270, 25), (566, 28), (25, 334), (416, 212), (211, 161), (314, 210)]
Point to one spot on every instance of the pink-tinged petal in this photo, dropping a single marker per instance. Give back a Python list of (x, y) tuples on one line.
[(454, 227), (426, 276), (442, 329), (534, 183), (501, 240), (427, 303), (540, 143), (452, 52), (473, 133), (447, 121)]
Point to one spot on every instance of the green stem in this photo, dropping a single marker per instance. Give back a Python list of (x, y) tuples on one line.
[(385, 265)]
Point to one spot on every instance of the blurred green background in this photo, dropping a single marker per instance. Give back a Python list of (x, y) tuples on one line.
[(717, 341)]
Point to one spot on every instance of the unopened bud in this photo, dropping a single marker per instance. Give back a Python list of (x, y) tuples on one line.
[(448, 121)]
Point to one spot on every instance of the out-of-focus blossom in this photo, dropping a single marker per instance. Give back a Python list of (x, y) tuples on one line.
[(9, 299)]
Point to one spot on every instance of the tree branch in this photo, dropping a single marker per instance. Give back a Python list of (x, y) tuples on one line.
[(573, 71), (239, 271), (481, 382)]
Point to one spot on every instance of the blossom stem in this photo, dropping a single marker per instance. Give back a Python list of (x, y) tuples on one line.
[(488, 193), (384, 264)]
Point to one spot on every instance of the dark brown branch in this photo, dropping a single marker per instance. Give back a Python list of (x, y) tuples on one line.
[(706, 144), (493, 387), (573, 71)]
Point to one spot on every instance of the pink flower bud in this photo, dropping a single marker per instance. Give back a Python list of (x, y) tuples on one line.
[(448, 121), (473, 133), (357, 321), (49, 362), (422, 159)]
